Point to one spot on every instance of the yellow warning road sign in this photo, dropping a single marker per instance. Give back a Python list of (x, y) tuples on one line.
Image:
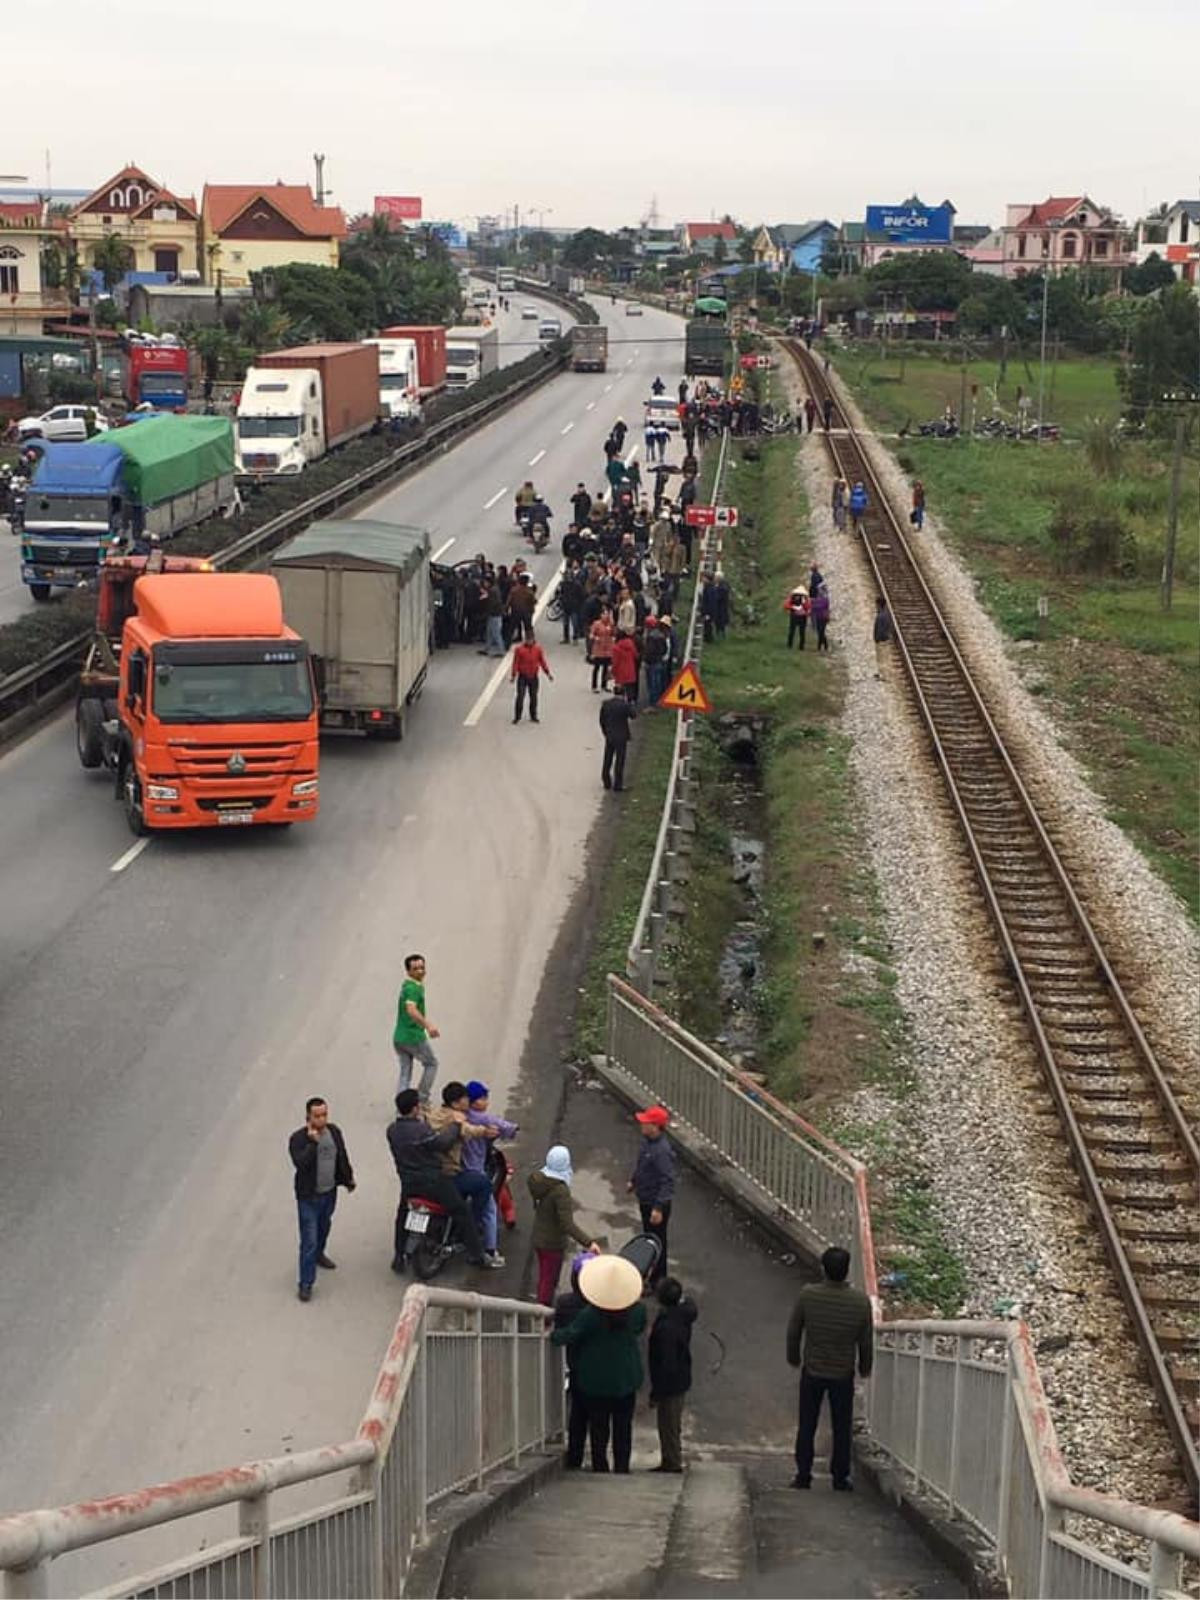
[(686, 692)]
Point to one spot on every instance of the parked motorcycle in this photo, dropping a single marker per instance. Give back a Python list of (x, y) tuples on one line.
[(431, 1238)]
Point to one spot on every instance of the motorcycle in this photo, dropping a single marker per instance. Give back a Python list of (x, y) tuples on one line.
[(537, 533)]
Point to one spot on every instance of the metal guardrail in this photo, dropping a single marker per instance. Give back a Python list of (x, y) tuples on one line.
[(469, 1385), (957, 1408), (667, 867), (31, 683)]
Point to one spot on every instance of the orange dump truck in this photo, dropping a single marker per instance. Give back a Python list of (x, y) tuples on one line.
[(198, 697)]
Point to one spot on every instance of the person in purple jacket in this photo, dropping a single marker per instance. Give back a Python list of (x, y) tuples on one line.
[(476, 1153), (820, 615)]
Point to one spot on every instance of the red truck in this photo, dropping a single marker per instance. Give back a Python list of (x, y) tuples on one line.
[(430, 341), (155, 375)]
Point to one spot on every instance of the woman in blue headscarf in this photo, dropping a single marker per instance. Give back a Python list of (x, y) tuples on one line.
[(554, 1222)]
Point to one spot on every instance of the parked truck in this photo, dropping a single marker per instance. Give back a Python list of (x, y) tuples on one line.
[(430, 340), (155, 479), (155, 373), (360, 594), (506, 280), (399, 377), (589, 347), (706, 348), (198, 698), (471, 353), (298, 404)]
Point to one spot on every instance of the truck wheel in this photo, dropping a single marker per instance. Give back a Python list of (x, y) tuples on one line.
[(89, 732), (131, 793), (393, 731), (40, 591)]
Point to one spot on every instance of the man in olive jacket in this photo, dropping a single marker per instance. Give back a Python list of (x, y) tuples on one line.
[(835, 1323)]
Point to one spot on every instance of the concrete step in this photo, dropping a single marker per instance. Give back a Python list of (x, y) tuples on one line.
[(711, 1549), (584, 1535)]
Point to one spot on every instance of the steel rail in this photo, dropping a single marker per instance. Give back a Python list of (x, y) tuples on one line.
[(906, 567)]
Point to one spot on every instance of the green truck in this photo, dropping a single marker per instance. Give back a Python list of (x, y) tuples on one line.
[(706, 348)]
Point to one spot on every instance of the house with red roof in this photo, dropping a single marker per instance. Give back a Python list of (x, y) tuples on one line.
[(1062, 233), (700, 238), (246, 227), (160, 229)]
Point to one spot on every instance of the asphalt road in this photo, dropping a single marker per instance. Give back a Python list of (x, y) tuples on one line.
[(518, 338), (163, 1017)]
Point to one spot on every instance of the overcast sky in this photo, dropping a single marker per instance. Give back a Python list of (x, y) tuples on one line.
[(769, 109)]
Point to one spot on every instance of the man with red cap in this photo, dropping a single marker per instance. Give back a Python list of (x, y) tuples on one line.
[(653, 1180)]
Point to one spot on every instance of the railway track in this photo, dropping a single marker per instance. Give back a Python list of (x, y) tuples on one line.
[(1132, 1146)]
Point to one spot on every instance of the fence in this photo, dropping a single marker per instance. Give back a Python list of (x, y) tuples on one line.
[(955, 1407), (469, 1385), (667, 864)]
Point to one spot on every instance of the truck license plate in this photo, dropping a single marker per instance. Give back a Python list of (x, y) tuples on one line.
[(418, 1222), (225, 817)]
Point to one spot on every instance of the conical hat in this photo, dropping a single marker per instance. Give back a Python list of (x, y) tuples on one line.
[(610, 1283)]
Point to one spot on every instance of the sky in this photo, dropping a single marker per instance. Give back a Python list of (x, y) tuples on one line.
[(582, 114)]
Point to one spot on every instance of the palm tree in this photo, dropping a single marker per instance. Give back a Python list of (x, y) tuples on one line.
[(263, 326), (112, 259)]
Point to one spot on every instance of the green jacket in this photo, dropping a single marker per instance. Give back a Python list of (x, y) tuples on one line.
[(608, 1358), (554, 1224)]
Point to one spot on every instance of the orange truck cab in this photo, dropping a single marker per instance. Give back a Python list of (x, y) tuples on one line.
[(205, 708)]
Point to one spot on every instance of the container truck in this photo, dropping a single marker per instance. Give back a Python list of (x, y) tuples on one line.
[(154, 479), (506, 280), (589, 347), (198, 698), (155, 374), (360, 594), (471, 353), (430, 340), (300, 403), (706, 348), (399, 377)]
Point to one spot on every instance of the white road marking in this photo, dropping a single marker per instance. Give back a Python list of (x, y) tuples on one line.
[(591, 405), (130, 855), (441, 550), (567, 429), (488, 504), (630, 456), (503, 668), (629, 363), (608, 388), (537, 458)]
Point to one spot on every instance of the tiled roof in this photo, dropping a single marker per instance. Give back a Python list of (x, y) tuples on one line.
[(712, 230), (792, 233), (165, 197), (225, 201), (1190, 207), (1056, 209), (130, 171), (20, 214)]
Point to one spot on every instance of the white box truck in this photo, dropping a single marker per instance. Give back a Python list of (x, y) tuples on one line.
[(471, 353), (399, 378), (359, 592)]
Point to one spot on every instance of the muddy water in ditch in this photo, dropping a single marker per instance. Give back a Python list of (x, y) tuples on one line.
[(740, 968)]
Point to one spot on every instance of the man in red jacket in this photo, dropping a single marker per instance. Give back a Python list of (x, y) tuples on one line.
[(528, 660)]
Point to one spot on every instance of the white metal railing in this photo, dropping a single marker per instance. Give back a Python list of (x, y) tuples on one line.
[(958, 1407), (646, 942), (469, 1385)]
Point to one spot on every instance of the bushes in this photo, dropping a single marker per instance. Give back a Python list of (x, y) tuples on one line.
[(1089, 536)]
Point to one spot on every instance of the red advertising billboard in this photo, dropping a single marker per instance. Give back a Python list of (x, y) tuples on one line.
[(404, 207)]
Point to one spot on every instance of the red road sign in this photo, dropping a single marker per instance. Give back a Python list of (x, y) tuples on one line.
[(712, 516)]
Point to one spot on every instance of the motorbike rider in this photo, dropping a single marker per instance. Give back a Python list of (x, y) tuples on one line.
[(472, 1185), (417, 1151), (526, 496), (658, 386), (539, 518)]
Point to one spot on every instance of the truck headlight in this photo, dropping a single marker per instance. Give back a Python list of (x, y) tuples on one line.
[(306, 786), (161, 791)]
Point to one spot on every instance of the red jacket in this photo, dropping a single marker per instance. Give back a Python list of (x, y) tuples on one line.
[(527, 658), (624, 661)]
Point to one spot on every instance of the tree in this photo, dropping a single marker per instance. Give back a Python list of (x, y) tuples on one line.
[(410, 278), (61, 267), (538, 245), (112, 259), (745, 246), (1164, 357), (263, 326), (213, 346), (992, 305), (324, 302), (720, 253), (932, 280), (1151, 274)]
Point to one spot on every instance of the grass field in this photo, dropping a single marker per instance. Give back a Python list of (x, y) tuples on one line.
[(1123, 675)]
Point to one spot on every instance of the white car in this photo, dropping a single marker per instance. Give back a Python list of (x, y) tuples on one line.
[(529, 313), (632, 308), (662, 411), (61, 422)]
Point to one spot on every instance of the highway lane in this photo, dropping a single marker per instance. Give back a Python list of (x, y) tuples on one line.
[(161, 1026), (518, 338)]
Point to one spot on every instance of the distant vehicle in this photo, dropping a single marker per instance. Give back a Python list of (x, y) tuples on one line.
[(529, 313), (481, 297), (155, 373), (706, 347), (589, 347), (506, 281), (471, 353), (549, 328), (63, 423), (632, 308), (662, 411)]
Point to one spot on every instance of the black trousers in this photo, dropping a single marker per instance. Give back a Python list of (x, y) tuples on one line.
[(841, 1416), (520, 625), (612, 773), (577, 1428), (822, 641), (659, 1230), (526, 686), (600, 671), (443, 1192), (797, 625), (617, 1415)]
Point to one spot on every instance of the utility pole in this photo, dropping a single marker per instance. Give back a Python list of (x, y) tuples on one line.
[(962, 391), (319, 164), (1168, 570)]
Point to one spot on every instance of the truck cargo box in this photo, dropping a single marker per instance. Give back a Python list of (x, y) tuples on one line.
[(589, 347), (349, 384), (431, 352)]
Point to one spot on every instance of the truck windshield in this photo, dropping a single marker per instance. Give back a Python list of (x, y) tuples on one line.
[(269, 427), (462, 355), (66, 508), (393, 380), (232, 691), (172, 383)]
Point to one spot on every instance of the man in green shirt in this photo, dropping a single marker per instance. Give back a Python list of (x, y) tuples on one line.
[(414, 1030), (836, 1324)]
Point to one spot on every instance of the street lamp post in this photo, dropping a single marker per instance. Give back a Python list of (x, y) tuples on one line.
[(1045, 308)]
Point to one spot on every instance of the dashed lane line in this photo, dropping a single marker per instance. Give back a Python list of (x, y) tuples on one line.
[(488, 504), (567, 429), (441, 550), (130, 855), (537, 458)]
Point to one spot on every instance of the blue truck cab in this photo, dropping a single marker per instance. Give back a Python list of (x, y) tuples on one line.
[(74, 510)]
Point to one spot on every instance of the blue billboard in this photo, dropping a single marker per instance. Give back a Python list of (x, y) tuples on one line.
[(451, 235), (910, 223)]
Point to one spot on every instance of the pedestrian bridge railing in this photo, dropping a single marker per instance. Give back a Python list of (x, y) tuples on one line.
[(957, 1409), (469, 1385)]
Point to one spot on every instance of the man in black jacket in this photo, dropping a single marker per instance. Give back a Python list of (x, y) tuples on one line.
[(670, 1355), (616, 714), (318, 1154), (417, 1152)]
